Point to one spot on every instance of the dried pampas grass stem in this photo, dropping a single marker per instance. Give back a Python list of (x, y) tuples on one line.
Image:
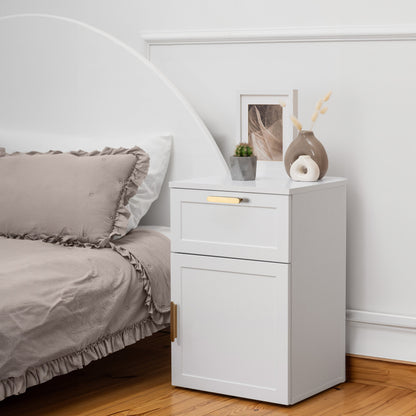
[(318, 110), (296, 122), (328, 96)]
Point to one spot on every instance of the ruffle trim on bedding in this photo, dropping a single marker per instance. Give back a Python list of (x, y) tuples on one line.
[(135, 179), (154, 310), (79, 359), (122, 214)]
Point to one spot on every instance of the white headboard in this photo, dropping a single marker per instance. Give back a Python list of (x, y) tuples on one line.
[(65, 85)]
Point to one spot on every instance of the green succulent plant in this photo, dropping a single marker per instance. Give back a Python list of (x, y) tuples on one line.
[(243, 150)]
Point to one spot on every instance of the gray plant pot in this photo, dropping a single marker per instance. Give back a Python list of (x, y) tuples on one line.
[(243, 168)]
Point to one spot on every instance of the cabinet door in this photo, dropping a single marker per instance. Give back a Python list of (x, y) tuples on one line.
[(232, 326)]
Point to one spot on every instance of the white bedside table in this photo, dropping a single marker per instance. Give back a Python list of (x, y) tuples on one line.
[(258, 287)]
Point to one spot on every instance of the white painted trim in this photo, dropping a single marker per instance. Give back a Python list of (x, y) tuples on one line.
[(375, 318), (284, 34), (381, 335)]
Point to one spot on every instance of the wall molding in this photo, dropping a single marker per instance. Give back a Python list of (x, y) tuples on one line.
[(284, 34), (384, 319), (381, 335)]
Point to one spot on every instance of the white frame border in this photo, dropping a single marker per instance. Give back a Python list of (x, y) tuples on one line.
[(289, 97)]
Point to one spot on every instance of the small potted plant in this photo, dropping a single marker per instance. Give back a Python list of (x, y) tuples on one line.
[(243, 163)]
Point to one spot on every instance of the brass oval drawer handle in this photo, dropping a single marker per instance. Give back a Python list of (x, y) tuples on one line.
[(224, 199)]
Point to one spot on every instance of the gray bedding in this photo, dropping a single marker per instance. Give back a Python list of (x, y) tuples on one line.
[(62, 307)]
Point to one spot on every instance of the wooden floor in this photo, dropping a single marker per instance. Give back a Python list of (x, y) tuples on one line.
[(136, 381)]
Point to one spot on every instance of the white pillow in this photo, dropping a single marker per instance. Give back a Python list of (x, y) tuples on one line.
[(158, 148)]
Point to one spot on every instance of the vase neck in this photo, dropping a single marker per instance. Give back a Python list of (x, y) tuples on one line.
[(306, 133)]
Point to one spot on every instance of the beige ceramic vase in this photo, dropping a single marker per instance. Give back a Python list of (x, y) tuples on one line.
[(307, 144)]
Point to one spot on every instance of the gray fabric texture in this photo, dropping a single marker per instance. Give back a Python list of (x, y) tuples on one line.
[(74, 198), (62, 307)]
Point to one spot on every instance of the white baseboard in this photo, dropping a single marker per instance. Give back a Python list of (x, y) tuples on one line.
[(381, 335)]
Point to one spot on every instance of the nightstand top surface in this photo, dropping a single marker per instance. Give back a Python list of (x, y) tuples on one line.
[(279, 185)]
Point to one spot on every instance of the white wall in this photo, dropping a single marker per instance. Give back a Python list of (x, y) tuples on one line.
[(367, 131), (120, 18), (125, 19)]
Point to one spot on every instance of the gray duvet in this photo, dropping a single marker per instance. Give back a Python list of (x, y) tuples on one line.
[(62, 307)]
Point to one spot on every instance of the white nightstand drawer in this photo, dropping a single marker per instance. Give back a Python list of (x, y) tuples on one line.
[(231, 224)]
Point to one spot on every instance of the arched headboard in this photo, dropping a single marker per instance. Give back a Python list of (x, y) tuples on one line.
[(66, 85)]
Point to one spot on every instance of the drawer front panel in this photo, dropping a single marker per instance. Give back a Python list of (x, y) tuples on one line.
[(232, 333), (228, 224)]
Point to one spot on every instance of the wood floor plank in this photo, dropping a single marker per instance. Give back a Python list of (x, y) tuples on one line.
[(240, 407), (329, 402), (403, 405), (146, 402), (198, 404), (366, 401), (136, 382), (384, 373)]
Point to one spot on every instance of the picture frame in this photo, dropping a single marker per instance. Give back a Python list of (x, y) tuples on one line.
[(264, 122)]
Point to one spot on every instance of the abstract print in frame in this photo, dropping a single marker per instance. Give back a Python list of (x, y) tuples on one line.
[(265, 123)]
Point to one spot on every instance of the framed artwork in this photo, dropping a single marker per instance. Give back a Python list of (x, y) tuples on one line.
[(265, 123)]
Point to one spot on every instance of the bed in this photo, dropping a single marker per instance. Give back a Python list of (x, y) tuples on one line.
[(66, 300)]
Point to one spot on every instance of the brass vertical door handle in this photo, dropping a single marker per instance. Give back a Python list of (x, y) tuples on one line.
[(173, 321)]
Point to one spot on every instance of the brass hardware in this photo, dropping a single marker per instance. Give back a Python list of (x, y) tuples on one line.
[(224, 199), (173, 321)]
